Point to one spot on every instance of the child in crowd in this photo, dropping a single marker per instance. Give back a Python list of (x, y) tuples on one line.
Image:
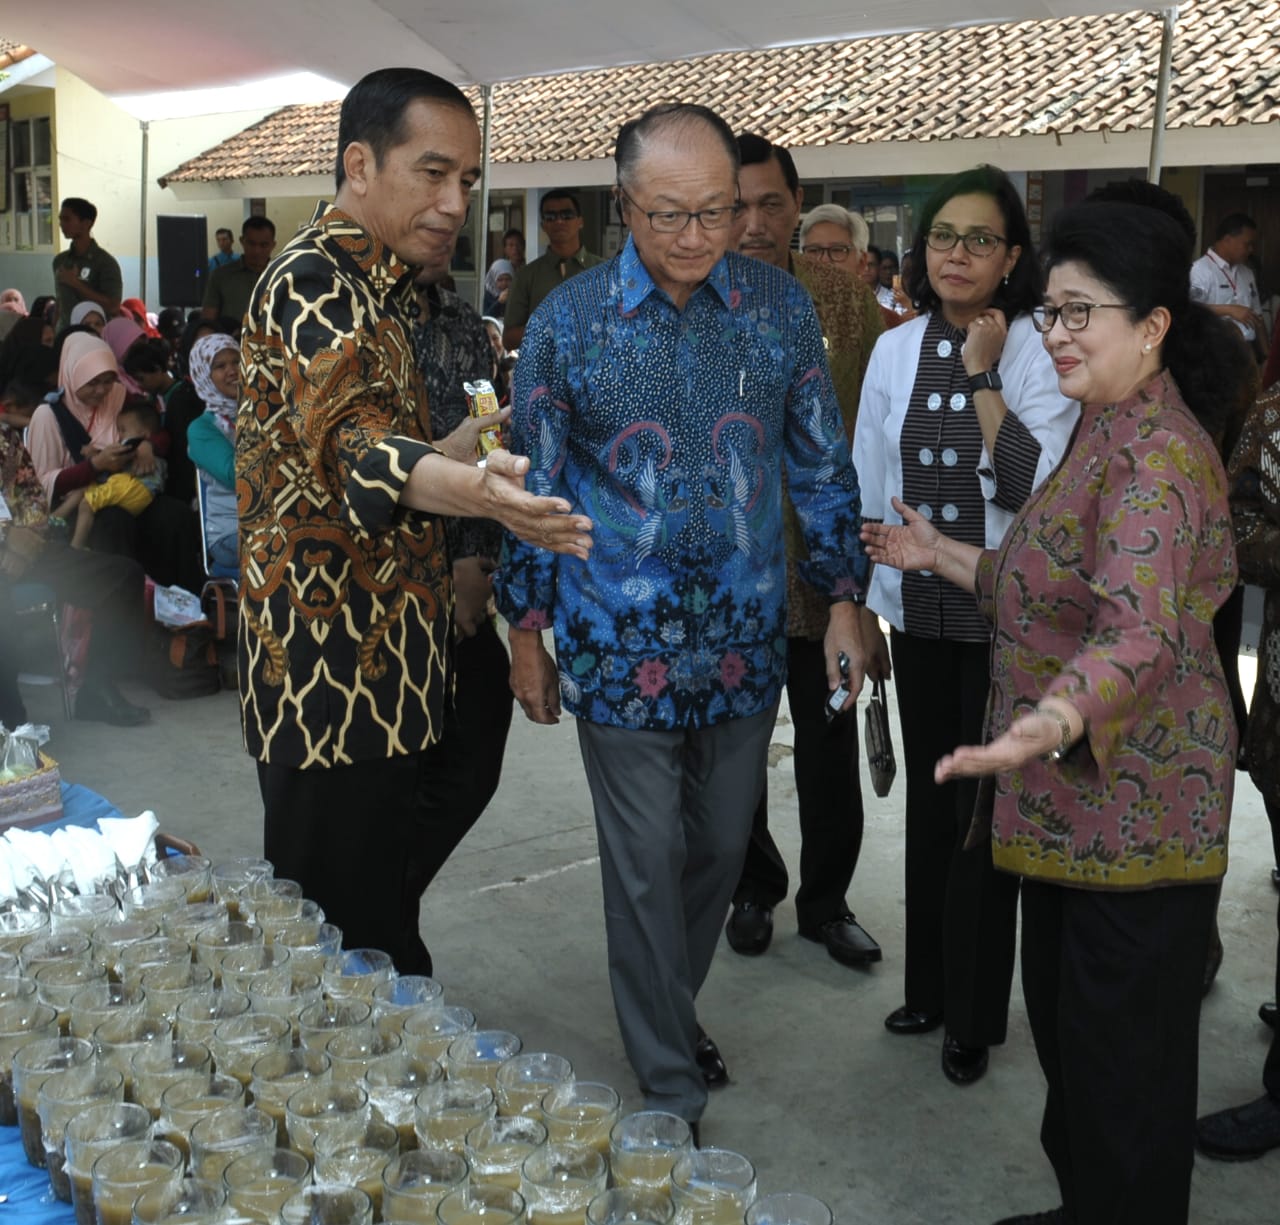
[(19, 400), (137, 421)]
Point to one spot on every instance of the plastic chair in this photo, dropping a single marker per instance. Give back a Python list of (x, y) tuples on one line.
[(214, 573), (37, 600)]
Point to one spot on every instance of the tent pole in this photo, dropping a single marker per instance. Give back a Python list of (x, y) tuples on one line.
[(482, 244), (142, 234), (1156, 162)]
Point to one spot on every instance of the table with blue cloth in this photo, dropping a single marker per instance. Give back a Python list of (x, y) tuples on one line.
[(25, 1197)]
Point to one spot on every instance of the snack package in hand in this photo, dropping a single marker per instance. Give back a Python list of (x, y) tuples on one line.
[(482, 401)]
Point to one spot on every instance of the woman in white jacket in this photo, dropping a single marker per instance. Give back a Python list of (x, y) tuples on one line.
[(961, 418)]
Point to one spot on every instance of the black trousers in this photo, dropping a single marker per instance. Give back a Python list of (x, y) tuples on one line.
[(165, 539), (829, 795), (366, 840), (962, 915), (110, 587), (1112, 984), (1271, 1069)]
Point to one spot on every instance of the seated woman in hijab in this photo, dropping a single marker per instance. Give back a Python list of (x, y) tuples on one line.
[(497, 285), (215, 372), (73, 441), (90, 315), (122, 333), (13, 306)]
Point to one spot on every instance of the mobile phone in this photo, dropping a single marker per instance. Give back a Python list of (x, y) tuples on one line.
[(133, 443), (840, 695)]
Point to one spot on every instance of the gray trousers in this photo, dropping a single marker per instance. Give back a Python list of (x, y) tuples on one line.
[(673, 815)]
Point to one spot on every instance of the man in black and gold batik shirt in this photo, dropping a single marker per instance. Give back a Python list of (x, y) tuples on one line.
[(346, 603)]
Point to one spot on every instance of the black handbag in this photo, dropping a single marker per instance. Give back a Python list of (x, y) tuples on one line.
[(880, 760)]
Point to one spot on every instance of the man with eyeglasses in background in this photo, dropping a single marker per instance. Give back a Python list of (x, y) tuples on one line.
[(664, 390), (828, 791), (565, 257)]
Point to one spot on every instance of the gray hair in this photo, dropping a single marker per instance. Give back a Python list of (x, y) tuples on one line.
[(851, 223)]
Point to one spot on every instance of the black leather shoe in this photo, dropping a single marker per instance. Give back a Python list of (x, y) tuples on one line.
[(905, 1021), (750, 928), (710, 1061), (104, 703), (961, 1064), (1267, 1014), (1240, 1133), (846, 940), (1057, 1216), (1275, 876), (695, 1130)]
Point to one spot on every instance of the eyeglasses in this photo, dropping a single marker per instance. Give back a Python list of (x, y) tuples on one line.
[(1074, 315), (672, 221), (559, 214), (837, 252), (976, 242)]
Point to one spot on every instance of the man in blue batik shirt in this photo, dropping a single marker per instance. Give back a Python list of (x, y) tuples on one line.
[(663, 393)]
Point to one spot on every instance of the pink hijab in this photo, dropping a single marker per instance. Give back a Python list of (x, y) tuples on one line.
[(120, 334), (84, 357)]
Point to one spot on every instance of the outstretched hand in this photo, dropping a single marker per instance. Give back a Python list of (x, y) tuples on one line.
[(1033, 735), (910, 545), (460, 444), (546, 522)]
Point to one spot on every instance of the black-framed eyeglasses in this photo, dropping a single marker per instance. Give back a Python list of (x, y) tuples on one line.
[(672, 221), (1074, 315), (981, 243), (836, 252), (558, 214)]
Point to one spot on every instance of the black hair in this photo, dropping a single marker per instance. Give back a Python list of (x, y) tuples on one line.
[(513, 233), (224, 324), (258, 223), (754, 150), (46, 306), (61, 339), (1143, 255), (170, 322), (1232, 224), (1025, 288), (1149, 195), (891, 256), (874, 250), (147, 356), (82, 208), (373, 110), (222, 229), (561, 193), (148, 416), (633, 134), (24, 393)]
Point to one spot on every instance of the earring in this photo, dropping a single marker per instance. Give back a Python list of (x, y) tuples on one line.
[(1006, 278), (1146, 348)]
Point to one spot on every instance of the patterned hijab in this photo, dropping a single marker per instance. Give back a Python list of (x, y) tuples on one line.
[(203, 352)]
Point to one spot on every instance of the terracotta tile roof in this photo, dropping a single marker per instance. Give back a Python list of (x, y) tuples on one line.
[(13, 53), (1079, 74)]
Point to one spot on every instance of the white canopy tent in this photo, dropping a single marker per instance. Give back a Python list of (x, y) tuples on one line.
[(145, 54)]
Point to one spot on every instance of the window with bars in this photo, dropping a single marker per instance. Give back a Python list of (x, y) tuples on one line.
[(31, 200)]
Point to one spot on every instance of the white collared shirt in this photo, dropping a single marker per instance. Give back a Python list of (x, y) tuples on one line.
[(1217, 283)]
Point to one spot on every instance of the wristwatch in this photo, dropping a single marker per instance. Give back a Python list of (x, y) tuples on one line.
[(988, 379)]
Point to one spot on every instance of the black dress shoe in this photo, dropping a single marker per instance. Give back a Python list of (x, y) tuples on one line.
[(695, 1130), (710, 1061), (1240, 1133), (750, 928), (961, 1064), (1267, 1014), (104, 703), (1056, 1216), (1275, 876), (906, 1021), (846, 940)]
